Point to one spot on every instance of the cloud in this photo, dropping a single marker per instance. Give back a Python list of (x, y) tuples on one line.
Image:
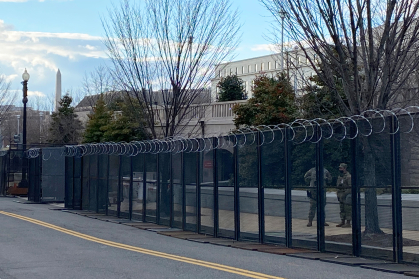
[(8, 78), (39, 51), (20, 1), (264, 47), (30, 93), (36, 93)]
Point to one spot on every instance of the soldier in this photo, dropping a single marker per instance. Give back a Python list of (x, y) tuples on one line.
[(310, 177), (344, 190)]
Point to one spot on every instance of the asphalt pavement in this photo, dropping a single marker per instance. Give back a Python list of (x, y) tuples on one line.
[(37, 242)]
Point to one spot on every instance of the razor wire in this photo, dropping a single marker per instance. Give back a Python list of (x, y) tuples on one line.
[(365, 124)]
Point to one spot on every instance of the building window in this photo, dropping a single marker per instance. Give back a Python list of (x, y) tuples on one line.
[(262, 66), (230, 71), (237, 71), (249, 69), (219, 73), (242, 69), (269, 66), (256, 67)]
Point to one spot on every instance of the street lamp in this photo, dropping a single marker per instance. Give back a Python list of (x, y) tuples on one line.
[(18, 124), (282, 15), (40, 126), (24, 182), (25, 78)]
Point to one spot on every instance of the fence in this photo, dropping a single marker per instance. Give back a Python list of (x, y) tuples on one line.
[(254, 184)]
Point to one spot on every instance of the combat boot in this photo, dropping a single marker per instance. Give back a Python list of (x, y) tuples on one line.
[(310, 223), (347, 225), (341, 223)]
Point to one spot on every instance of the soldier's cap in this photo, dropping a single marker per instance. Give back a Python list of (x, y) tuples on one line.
[(343, 165)]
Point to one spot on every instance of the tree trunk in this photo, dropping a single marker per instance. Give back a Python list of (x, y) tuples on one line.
[(372, 225)]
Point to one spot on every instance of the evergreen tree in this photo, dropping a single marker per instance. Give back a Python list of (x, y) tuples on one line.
[(98, 120), (231, 88), (65, 127), (321, 102), (272, 102), (127, 124)]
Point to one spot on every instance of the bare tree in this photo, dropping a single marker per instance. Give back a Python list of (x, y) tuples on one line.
[(164, 53), (369, 46), (7, 98), (97, 82)]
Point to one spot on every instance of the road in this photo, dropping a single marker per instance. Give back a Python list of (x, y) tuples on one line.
[(37, 242)]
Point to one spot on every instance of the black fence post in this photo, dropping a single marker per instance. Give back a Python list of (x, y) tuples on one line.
[(143, 217), (356, 198), (118, 206), (73, 161), (288, 185), (81, 183), (171, 211), (107, 185), (182, 172), (131, 192), (198, 191), (261, 193), (158, 194), (396, 191), (321, 198), (236, 193), (215, 183), (97, 183)]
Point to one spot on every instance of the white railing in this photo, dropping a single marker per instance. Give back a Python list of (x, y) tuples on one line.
[(224, 109), (204, 111)]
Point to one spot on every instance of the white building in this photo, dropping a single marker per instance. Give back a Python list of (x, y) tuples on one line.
[(295, 64)]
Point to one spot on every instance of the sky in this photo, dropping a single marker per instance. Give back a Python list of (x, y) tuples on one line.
[(46, 35)]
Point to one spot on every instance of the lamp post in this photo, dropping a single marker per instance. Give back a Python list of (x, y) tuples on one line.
[(18, 124), (40, 126), (25, 78), (282, 15), (296, 64), (24, 183)]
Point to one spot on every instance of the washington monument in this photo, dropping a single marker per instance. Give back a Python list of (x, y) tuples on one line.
[(57, 91)]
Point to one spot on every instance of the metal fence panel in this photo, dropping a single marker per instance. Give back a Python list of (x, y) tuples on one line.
[(102, 187), (225, 198), (113, 185), (138, 187), (34, 171), (273, 182), (207, 191), (190, 169), (409, 152), (69, 182), (151, 187), (77, 176), (303, 157), (53, 175), (177, 192), (248, 186), (376, 194), (126, 187), (338, 201)]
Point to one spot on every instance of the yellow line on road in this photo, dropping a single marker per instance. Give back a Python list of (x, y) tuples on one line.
[(230, 269)]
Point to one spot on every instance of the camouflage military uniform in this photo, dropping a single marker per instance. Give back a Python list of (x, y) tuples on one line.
[(344, 190), (310, 177)]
